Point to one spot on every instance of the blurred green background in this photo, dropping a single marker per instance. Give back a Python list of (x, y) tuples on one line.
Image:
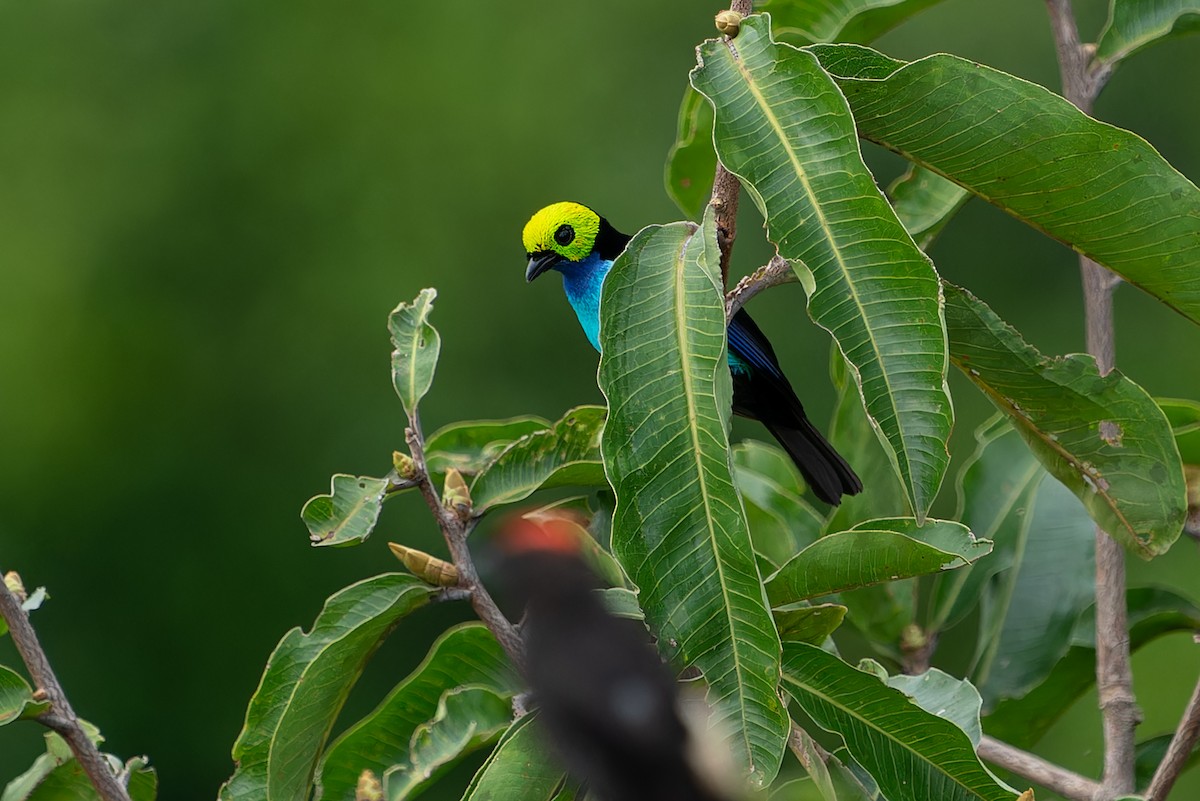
[(207, 211)]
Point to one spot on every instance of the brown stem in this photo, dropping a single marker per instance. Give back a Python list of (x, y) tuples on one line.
[(60, 717), (1082, 79), (776, 271), (1035, 769), (726, 187), (455, 528), (1178, 751)]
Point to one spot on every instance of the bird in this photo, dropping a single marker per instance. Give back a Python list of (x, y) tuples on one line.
[(572, 239), (607, 702)]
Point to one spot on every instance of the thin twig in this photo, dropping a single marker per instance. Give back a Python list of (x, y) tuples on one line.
[(726, 187), (1035, 769), (1178, 751), (60, 717), (776, 271), (455, 528), (1082, 79)]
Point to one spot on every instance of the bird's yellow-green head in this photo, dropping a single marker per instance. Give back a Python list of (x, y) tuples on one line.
[(561, 231)]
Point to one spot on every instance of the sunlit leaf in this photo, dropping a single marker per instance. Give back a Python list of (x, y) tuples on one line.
[(678, 528), (16, 698), (873, 552), (416, 345), (519, 768), (1134, 24), (912, 754), (306, 681), (692, 162), (568, 454), (925, 202), (470, 445), (1101, 436), (784, 129), (466, 655), (1102, 190), (839, 20), (347, 515)]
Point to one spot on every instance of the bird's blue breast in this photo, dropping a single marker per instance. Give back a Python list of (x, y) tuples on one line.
[(583, 282)]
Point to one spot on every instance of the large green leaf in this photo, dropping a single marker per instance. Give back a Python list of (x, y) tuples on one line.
[(994, 489), (348, 514), (925, 201), (518, 769), (692, 162), (1153, 612), (1102, 436), (1033, 606), (678, 528), (912, 754), (566, 454), (941, 694), (875, 551), (1102, 190), (306, 681), (467, 718), (471, 445), (781, 521), (1134, 24), (416, 345), (839, 20), (809, 623), (16, 698), (784, 129), (465, 655)]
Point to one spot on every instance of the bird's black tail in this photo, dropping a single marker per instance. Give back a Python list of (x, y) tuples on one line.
[(826, 472)]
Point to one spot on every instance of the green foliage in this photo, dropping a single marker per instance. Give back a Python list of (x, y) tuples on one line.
[(416, 345), (348, 513), (470, 446), (842, 20), (517, 769), (925, 201), (16, 698), (1135, 24)]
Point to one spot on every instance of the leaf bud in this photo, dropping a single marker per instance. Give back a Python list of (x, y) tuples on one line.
[(406, 468), (729, 23), (436, 571), (455, 495), (12, 580)]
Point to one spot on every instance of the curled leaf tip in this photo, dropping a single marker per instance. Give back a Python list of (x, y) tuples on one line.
[(729, 22)]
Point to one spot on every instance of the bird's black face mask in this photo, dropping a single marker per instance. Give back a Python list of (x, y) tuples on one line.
[(540, 263)]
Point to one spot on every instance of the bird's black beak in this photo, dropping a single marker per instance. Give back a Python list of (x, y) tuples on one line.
[(540, 262)]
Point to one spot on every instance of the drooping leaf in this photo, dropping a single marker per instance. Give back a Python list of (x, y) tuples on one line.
[(416, 345), (519, 768), (781, 521), (943, 695), (1102, 436), (925, 201), (16, 698), (566, 454), (839, 20), (784, 129), (348, 514), (875, 551), (1033, 606), (1134, 24), (692, 162), (306, 681), (471, 445), (1153, 612), (810, 624), (466, 719), (1102, 190), (467, 655), (912, 754), (678, 527), (994, 489)]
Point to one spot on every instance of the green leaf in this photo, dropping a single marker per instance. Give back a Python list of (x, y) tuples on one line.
[(56, 776), (692, 162), (1101, 190), (1134, 24), (471, 445), (1184, 417), (1149, 753), (678, 528), (781, 521), (874, 552), (306, 681), (995, 487), (943, 695), (810, 624), (1033, 606), (621, 602), (467, 718), (568, 454), (1153, 612), (1102, 436), (925, 201), (839, 20), (518, 769), (467, 655), (784, 129), (913, 755), (347, 515), (16, 698), (416, 346)]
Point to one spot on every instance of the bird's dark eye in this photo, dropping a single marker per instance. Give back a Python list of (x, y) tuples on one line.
[(565, 235)]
